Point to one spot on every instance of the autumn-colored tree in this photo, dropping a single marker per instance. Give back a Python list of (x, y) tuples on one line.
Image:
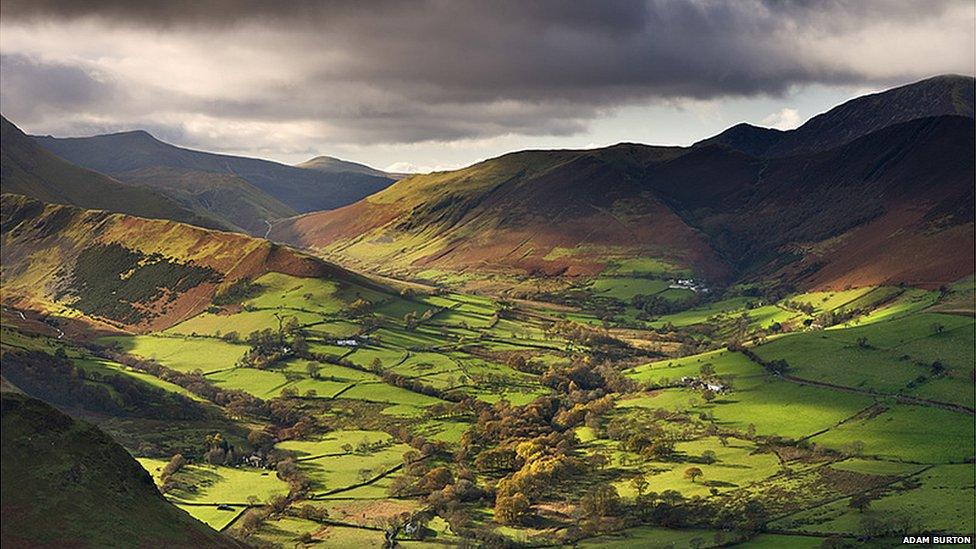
[(511, 509), (693, 473)]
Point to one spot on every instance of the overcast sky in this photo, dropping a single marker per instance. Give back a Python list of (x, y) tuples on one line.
[(416, 85)]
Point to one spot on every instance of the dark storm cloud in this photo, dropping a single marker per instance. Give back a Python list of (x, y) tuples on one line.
[(433, 69)]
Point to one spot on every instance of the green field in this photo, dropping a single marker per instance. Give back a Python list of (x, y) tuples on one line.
[(185, 354)]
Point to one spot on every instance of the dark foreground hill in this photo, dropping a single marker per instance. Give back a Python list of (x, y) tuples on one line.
[(139, 157), (893, 206), (28, 169), (67, 484)]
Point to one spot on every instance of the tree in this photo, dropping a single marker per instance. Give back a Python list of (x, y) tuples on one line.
[(639, 484), (313, 369), (259, 438), (511, 509), (937, 327), (861, 501), (693, 473), (601, 501), (708, 456), (175, 464)]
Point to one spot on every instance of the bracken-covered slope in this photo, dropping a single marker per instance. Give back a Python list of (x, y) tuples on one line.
[(28, 169), (892, 206), (87, 492), (132, 153), (128, 272), (937, 96)]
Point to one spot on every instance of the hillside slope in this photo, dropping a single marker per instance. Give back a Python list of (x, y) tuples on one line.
[(937, 96), (238, 204), (128, 272), (60, 471), (28, 169), (302, 190), (904, 191)]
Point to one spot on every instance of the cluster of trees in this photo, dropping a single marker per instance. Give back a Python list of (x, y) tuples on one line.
[(268, 346), (55, 378), (411, 320), (583, 375), (654, 305)]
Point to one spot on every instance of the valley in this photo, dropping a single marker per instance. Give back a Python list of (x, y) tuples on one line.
[(711, 346)]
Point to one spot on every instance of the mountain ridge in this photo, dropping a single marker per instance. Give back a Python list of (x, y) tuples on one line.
[(949, 94), (29, 169), (301, 189), (714, 209)]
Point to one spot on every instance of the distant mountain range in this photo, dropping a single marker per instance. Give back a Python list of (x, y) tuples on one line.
[(27, 168), (239, 193), (877, 190)]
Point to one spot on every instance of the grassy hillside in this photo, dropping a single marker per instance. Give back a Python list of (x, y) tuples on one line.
[(30, 170), (57, 470), (234, 201), (302, 190), (893, 206), (128, 272)]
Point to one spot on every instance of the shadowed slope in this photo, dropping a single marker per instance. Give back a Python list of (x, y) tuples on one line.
[(67, 484), (28, 169)]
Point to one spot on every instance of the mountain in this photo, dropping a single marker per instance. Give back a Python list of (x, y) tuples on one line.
[(28, 169), (120, 272), (129, 155), (234, 201), (329, 164), (94, 490), (892, 206), (937, 96)]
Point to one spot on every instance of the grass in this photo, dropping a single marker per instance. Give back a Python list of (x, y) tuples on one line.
[(106, 367), (896, 353), (830, 301), (773, 406), (654, 537), (332, 443), (699, 315), (941, 501), (181, 353), (243, 322), (381, 392), (905, 433), (448, 431), (284, 291), (736, 465), (331, 473), (625, 288), (219, 484)]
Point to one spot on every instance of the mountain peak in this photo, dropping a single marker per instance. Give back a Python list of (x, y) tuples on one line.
[(946, 94), (331, 164)]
